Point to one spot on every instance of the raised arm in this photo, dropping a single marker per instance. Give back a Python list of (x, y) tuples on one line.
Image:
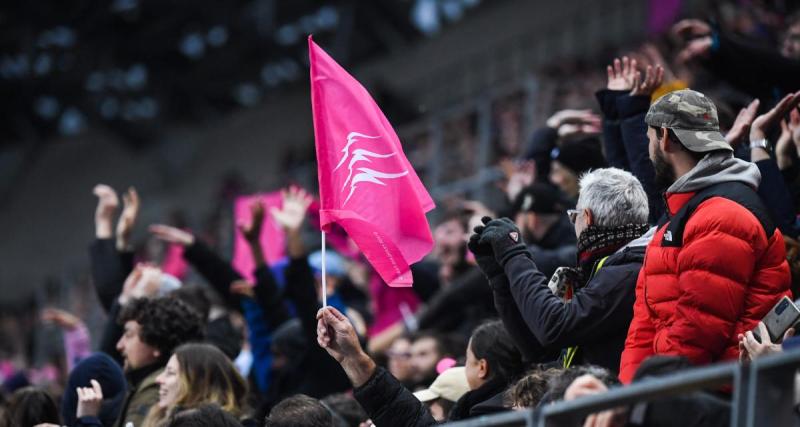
[(109, 266), (266, 291), (301, 286), (632, 110), (620, 74), (218, 272), (386, 401), (773, 189), (77, 342)]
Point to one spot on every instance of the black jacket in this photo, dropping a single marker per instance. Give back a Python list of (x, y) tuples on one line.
[(218, 272), (110, 268), (321, 374), (390, 404), (596, 319), (459, 307), (548, 260), (484, 400), (761, 72), (541, 144), (556, 248), (560, 234)]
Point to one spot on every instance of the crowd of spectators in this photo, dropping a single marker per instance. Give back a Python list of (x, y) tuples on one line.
[(642, 232)]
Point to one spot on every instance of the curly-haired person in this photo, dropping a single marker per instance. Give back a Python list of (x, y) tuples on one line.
[(154, 327)]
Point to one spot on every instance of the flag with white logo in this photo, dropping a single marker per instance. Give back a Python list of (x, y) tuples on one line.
[(366, 184)]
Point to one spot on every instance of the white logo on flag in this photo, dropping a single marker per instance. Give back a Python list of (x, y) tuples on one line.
[(363, 174)]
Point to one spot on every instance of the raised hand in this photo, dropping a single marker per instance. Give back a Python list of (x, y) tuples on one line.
[(293, 213), (504, 238), (653, 77), (130, 211), (252, 231), (794, 127), (484, 255), (621, 74), (784, 147), (172, 234), (90, 399), (741, 126), (764, 122), (788, 146), (336, 335), (62, 318), (107, 204)]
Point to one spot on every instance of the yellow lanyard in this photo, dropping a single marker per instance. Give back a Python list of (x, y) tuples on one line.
[(570, 353)]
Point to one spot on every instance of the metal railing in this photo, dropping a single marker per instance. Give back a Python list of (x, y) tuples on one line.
[(763, 395)]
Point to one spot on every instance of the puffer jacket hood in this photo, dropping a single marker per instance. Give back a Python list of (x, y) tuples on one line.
[(714, 168)]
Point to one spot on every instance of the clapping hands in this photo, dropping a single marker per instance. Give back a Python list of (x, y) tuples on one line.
[(623, 75)]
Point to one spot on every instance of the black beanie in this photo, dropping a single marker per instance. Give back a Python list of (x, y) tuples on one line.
[(107, 372), (539, 198), (580, 156)]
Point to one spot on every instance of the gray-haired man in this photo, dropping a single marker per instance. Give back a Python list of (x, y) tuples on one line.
[(610, 220)]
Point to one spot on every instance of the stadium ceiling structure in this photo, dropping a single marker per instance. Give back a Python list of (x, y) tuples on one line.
[(133, 66)]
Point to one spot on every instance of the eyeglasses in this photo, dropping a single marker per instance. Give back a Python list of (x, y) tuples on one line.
[(572, 214)]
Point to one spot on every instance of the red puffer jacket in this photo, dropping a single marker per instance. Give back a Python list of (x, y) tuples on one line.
[(694, 300)]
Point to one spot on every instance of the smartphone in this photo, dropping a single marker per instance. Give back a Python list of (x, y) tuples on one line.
[(783, 316)]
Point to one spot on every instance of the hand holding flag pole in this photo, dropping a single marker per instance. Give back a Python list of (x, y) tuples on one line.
[(366, 183)]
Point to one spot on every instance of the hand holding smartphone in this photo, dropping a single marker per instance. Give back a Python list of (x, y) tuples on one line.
[(783, 316)]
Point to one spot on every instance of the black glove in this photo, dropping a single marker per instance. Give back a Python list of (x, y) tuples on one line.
[(483, 253), (505, 238)]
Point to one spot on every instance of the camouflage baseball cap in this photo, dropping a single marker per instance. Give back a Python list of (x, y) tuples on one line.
[(693, 118)]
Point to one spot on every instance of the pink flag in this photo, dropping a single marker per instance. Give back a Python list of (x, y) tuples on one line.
[(173, 262), (366, 184), (273, 239)]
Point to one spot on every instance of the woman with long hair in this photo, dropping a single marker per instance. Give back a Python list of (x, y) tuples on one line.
[(195, 375)]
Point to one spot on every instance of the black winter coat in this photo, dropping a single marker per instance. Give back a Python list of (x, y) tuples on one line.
[(484, 400), (390, 404), (596, 319)]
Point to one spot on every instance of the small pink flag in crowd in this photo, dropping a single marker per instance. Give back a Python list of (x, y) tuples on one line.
[(366, 184), (173, 262), (273, 238)]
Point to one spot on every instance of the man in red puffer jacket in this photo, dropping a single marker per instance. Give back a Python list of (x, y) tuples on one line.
[(717, 265)]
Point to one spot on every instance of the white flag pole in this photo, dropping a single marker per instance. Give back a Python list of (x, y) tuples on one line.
[(324, 279)]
